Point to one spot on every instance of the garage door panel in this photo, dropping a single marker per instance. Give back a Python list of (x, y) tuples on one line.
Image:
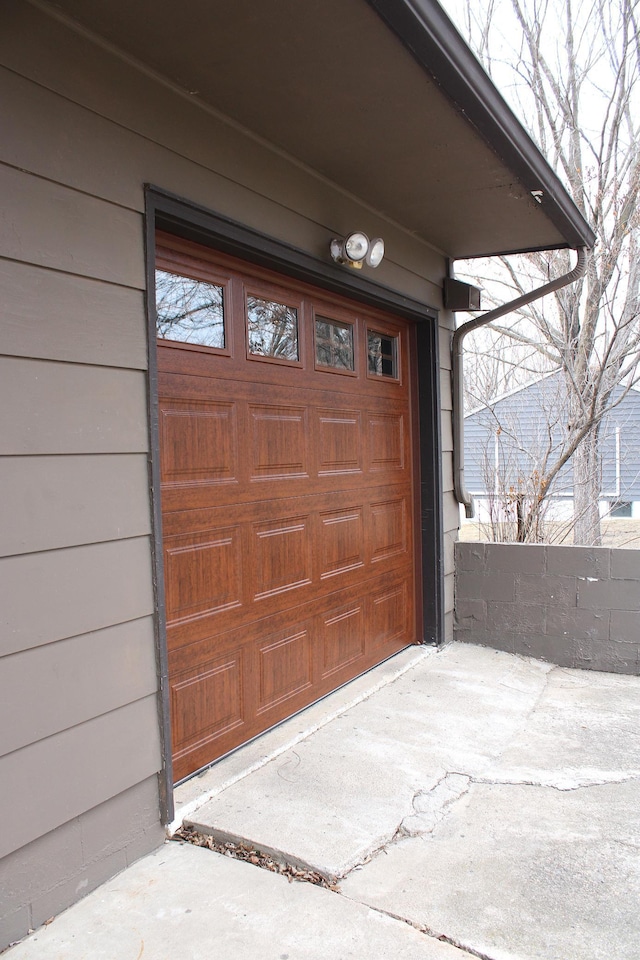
[(339, 442), (278, 443), (276, 475), (288, 503), (278, 376), (280, 556), (240, 451), (285, 667), (323, 396), (203, 573), (343, 637), (243, 562), (342, 540), (183, 633), (207, 702), (387, 441), (390, 530), (386, 610), (199, 441)]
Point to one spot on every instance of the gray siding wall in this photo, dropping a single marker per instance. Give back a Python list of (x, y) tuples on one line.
[(574, 606), (83, 131)]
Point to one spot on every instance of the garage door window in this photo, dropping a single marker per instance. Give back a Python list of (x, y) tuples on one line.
[(334, 344), (272, 329), (189, 311), (382, 355)]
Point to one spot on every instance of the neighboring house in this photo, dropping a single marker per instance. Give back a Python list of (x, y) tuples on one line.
[(203, 534), (510, 442)]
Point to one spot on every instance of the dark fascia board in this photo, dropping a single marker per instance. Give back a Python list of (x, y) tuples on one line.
[(193, 222), (426, 31)]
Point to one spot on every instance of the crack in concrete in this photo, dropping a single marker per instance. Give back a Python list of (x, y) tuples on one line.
[(625, 843), (293, 872), (532, 709), (424, 929), (561, 787), (430, 807)]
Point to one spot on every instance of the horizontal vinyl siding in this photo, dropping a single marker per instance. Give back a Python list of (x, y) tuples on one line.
[(91, 675), (70, 231), (60, 501), (520, 424), (52, 408), (62, 593), (58, 316), (59, 778), (78, 687)]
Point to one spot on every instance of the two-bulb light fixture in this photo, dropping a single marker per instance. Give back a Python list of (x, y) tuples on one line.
[(357, 249)]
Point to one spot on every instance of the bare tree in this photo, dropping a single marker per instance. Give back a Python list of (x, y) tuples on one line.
[(496, 365), (572, 74)]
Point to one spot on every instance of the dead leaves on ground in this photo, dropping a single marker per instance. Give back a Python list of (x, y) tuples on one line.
[(242, 851)]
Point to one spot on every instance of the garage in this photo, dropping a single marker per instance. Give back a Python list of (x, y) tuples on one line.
[(288, 494)]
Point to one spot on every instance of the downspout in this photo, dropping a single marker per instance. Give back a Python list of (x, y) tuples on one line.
[(461, 492)]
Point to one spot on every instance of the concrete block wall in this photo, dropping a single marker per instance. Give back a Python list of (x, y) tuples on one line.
[(573, 606)]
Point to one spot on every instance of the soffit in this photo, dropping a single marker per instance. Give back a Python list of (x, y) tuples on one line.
[(332, 85)]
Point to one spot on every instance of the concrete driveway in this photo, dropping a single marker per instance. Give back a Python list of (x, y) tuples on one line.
[(463, 803)]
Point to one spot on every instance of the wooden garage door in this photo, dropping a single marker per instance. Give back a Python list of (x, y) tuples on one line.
[(287, 495)]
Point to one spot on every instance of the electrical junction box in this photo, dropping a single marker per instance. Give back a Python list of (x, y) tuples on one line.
[(460, 296)]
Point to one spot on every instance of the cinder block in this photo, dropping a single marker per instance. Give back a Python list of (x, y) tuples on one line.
[(552, 649), (608, 656), (577, 624), (579, 561), (609, 594), (471, 613), (515, 618), (515, 557), (476, 586), (475, 635), (469, 556), (559, 591), (625, 626), (625, 565), (500, 641)]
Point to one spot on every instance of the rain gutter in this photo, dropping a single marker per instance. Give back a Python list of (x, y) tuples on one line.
[(461, 493)]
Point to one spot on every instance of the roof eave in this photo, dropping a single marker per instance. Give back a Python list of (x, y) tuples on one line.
[(426, 31)]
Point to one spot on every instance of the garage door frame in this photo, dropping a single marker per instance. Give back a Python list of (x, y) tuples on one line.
[(173, 214)]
